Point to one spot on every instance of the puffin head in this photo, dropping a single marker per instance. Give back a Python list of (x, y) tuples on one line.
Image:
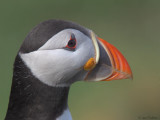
[(60, 53)]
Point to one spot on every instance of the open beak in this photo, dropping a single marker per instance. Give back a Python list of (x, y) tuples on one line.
[(108, 64)]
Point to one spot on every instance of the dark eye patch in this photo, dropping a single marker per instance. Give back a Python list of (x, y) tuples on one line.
[(72, 42)]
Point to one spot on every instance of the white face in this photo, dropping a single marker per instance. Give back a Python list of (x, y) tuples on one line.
[(56, 65)]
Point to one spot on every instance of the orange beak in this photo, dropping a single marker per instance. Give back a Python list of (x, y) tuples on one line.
[(121, 68)]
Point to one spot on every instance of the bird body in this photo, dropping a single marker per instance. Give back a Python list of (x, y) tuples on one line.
[(54, 55)]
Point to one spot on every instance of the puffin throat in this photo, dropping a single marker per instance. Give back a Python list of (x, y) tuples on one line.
[(30, 99)]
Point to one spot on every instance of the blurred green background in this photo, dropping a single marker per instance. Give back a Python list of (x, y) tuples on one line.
[(133, 26)]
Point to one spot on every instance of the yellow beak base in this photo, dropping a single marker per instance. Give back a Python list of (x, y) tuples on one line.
[(90, 64)]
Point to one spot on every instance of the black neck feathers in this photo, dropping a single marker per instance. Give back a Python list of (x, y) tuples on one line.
[(30, 99)]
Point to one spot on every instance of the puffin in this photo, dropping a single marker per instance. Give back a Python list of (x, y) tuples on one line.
[(54, 55)]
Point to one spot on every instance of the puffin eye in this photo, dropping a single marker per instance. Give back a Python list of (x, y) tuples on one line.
[(72, 42)]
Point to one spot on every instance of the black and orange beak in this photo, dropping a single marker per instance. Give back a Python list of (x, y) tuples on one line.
[(121, 68), (111, 64)]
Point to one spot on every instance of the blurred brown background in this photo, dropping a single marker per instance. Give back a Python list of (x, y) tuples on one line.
[(132, 26)]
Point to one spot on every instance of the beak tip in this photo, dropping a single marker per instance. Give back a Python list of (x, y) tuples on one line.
[(129, 76)]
